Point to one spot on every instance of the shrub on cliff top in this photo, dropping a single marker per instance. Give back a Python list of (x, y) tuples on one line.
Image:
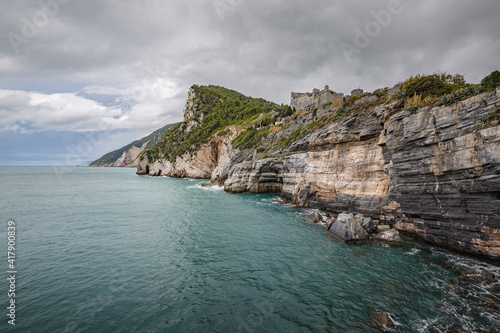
[(491, 81), (430, 85)]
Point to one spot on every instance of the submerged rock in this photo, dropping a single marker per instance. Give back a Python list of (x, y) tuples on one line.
[(488, 276), (455, 287), (463, 271), (444, 263), (347, 229), (390, 236), (382, 319)]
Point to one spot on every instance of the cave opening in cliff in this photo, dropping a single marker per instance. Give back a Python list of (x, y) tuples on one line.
[(147, 169)]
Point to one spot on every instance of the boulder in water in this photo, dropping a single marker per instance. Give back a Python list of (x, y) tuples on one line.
[(347, 229)]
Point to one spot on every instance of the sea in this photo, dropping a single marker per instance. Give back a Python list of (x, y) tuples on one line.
[(106, 250)]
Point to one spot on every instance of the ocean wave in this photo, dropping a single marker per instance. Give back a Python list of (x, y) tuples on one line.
[(207, 188)]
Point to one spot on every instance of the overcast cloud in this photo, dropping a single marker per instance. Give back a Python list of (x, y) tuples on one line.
[(125, 66)]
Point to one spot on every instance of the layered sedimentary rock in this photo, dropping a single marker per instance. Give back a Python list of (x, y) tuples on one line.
[(445, 175), (130, 157), (207, 162), (261, 176), (435, 173), (342, 169)]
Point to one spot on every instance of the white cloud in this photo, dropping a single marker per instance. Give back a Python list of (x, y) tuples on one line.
[(145, 106)]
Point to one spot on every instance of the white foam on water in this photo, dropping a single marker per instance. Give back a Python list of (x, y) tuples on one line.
[(413, 251), (207, 188), (426, 324)]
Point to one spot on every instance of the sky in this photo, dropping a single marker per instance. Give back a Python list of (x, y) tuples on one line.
[(80, 78)]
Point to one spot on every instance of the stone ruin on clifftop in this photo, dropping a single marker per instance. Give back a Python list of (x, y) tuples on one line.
[(325, 99)]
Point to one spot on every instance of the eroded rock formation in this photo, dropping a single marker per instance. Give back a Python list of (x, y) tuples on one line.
[(434, 173)]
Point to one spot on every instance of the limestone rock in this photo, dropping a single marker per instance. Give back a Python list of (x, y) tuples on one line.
[(330, 223), (389, 236), (366, 99), (262, 176), (347, 229), (367, 223), (381, 228), (434, 174), (315, 217), (207, 162)]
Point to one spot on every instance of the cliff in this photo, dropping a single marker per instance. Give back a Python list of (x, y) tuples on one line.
[(424, 160), (128, 156)]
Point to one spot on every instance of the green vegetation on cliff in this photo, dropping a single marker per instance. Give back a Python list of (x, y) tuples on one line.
[(214, 108), (442, 89), (211, 109), (492, 81)]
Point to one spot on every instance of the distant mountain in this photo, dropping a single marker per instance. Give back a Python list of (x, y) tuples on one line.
[(128, 156)]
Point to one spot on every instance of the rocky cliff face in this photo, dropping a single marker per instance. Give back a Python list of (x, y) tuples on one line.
[(130, 157), (435, 174), (432, 172), (206, 163), (445, 175)]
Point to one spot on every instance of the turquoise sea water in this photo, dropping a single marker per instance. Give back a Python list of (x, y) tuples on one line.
[(105, 250)]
